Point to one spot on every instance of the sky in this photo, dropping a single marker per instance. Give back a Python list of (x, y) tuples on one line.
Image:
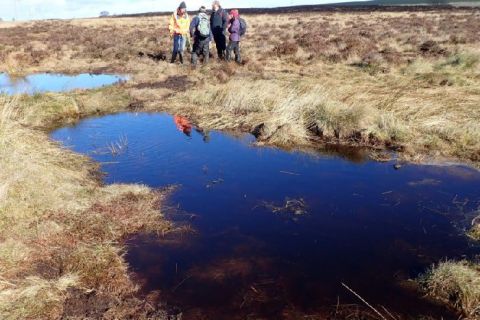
[(65, 9)]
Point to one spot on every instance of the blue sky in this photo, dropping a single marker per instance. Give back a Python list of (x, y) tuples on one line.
[(45, 9)]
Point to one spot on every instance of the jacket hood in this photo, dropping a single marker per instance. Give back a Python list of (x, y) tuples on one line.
[(176, 16), (234, 13)]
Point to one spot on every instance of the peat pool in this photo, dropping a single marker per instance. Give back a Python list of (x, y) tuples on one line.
[(276, 233), (50, 82)]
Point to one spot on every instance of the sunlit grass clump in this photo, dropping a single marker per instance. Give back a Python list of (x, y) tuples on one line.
[(457, 284)]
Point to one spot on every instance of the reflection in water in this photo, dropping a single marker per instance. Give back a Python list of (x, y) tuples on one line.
[(45, 82), (279, 232), (183, 124)]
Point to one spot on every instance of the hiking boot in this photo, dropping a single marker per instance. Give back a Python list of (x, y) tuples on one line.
[(180, 55), (174, 57)]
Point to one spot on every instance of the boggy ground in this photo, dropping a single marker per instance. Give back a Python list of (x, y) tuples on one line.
[(408, 81), (61, 230)]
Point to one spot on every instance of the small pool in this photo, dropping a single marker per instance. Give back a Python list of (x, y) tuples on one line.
[(49, 82), (277, 233)]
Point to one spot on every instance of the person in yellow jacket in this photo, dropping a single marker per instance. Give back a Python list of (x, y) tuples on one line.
[(179, 28)]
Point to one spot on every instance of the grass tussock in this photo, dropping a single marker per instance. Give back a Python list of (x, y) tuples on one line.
[(291, 111), (457, 284), (52, 109), (35, 298), (474, 231), (290, 114), (60, 228)]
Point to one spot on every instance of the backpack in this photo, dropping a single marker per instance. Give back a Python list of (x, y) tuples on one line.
[(243, 27), (203, 26)]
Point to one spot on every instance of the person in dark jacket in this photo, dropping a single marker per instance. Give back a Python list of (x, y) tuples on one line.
[(201, 34), (235, 37), (219, 23)]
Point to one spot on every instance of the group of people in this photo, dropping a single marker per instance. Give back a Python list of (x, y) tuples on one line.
[(202, 29)]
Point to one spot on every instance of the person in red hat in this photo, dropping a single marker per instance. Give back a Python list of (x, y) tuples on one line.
[(236, 29)]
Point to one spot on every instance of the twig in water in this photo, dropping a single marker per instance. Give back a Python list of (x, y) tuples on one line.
[(181, 282), (388, 312), (293, 206), (364, 301), (243, 302), (338, 304), (290, 173), (116, 148)]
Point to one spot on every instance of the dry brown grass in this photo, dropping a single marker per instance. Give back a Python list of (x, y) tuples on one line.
[(402, 80), (61, 229), (293, 114), (44, 111), (457, 284), (410, 81), (474, 231)]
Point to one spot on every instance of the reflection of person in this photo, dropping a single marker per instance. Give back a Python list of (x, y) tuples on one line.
[(205, 134), (183, 125)]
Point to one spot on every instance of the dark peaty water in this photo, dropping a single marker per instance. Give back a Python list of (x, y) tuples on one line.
[(277, 233), (47, 82)]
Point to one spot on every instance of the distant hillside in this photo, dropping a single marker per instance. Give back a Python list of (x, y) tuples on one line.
[(372, 5), (424, 2)]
